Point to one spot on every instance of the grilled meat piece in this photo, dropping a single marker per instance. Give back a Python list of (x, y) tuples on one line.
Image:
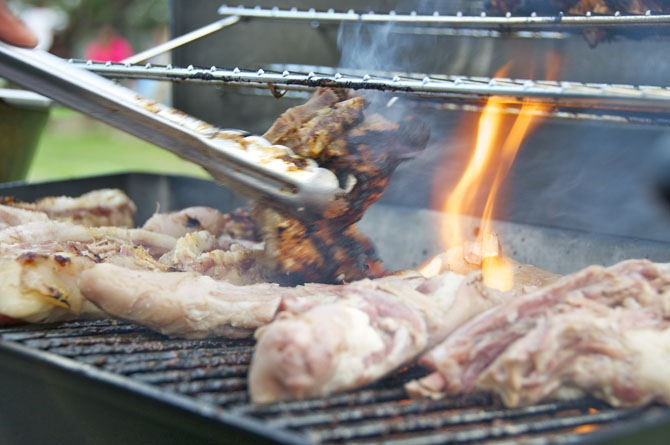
[(374, 327), (40, 233), (362, 149), (235, 261), (105, 207), (192, 305), (236, 224), (600, 330), (290, 122), (501, 6), (14, 216), (40, 283), (297, 252)]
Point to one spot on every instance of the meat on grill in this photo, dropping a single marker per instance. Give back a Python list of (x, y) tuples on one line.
[(603, 331), (374, 327), (181, 303), (45, 232), (236, 261), (14, 216), (362, 148), (40, 282), (236, 225), (104, 207)]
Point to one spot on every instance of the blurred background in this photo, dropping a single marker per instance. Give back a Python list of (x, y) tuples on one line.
[(71, 144)]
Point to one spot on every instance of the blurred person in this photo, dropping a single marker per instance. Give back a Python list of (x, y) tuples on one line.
[(13, 30), (108, 46), (44, 21)]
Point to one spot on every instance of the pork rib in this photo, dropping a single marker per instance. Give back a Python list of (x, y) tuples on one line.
[(550, 342)]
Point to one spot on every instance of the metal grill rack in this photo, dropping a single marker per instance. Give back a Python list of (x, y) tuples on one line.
[(211, 374), (506, 22), (634, 104), (637, 104)]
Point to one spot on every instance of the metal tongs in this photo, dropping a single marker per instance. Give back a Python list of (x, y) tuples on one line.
[(247, 164)]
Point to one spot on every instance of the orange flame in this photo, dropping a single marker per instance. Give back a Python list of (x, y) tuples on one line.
[(494, 152), (432, 268), (584, 429)]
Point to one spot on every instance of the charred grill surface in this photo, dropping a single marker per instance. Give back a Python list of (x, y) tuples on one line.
[(212, 373)]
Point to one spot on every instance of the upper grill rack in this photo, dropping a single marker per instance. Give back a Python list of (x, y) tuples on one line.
[(625, 98), (509, 21)]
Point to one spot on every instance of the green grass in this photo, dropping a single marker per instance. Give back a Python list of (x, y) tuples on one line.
[(73, 145)]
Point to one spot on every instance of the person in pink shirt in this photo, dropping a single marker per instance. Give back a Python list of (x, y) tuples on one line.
[(108, 46)]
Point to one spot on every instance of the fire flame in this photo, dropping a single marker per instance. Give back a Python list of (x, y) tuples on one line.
[(584, 429), (496, 146)]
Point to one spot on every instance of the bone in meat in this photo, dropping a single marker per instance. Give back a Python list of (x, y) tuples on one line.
[(104, 207), (553, 340), (374, 327)]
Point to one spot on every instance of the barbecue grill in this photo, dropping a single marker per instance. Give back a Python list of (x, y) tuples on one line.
[(106, 381)]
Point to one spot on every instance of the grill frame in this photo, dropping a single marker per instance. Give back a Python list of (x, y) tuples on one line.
[(91, 381)]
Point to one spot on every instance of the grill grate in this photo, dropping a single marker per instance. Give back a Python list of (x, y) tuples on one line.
[(628, 100), (509, 21), (213, 374)]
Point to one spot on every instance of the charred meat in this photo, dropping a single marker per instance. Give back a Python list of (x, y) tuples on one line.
[(362, 148)]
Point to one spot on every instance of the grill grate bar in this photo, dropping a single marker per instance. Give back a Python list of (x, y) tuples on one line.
[(225, 399), (480, 432), (211, 385), (192, 374), (213, 373), (360, 397), (169, 362), (139, 346), (459, 20), (432, 414), (76, 331), (652, 99)]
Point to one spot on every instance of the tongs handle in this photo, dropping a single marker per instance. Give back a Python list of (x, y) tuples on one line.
[(249, 165)]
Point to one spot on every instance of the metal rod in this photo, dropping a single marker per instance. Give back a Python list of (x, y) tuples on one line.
[(458, 20), (591, 95), (182, 40)]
